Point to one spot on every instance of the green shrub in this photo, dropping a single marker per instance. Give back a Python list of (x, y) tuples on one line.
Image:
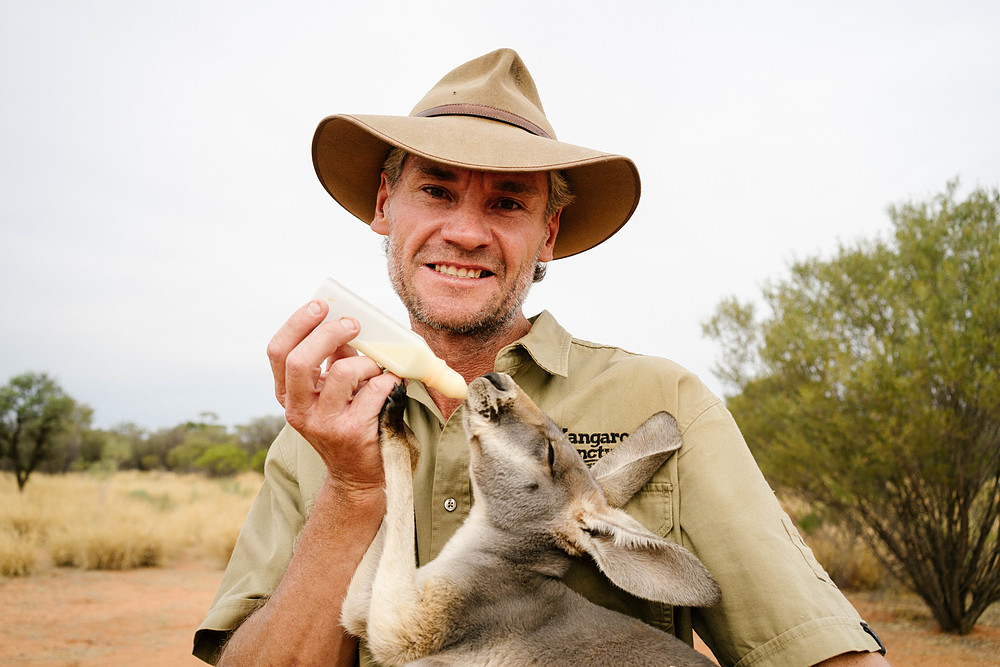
[(222, 460)]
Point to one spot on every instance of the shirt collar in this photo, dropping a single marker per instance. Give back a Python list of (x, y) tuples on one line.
[(546, 342)]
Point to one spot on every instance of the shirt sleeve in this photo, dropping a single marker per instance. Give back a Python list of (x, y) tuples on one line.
[(779, 607), (263, 549)]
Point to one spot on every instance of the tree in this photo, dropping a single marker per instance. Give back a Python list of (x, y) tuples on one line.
[(873, 388), (76, 444), (259, 433), (197, 438), (34, 413), (223, 459), (127, 445), (256, 437)]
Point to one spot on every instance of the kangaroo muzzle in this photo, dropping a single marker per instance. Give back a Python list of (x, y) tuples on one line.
[(491, 395)]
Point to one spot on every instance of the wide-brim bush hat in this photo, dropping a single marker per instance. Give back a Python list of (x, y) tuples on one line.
[(485, 115)]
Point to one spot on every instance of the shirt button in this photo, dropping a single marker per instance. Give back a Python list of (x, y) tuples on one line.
[(450, 504)]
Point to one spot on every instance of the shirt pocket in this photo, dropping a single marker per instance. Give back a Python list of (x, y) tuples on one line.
[(652, 506)]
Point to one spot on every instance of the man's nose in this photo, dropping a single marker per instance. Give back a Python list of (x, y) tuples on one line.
[(466, 226)]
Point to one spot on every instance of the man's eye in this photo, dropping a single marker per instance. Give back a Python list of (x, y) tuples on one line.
[(509, 205), (435, 191)]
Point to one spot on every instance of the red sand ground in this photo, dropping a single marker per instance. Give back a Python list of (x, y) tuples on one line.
[(146, 618)]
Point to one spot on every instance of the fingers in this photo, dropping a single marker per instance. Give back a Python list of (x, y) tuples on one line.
[(304, 376), (301, 327), (371, 397), (350, 386), (330, 391), (331, 395), (291, 333)]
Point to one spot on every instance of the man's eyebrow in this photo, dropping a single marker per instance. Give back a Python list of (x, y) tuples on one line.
[(437, 172), (516, 187)]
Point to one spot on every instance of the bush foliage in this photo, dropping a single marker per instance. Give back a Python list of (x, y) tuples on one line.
[(873, 390)]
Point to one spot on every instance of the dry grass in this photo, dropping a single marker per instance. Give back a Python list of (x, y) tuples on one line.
[(120, 521), (131, 519), (846, 557)]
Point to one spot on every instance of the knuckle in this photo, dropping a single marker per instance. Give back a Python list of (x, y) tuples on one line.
[(274, 351), (295, 418), (347, 372), (339, 371), (296, 363)]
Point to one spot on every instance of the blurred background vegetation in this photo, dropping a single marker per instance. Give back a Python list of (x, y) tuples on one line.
[(121, 498), (43, 429)]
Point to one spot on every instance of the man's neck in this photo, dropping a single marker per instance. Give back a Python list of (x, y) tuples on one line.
[(469, 355)]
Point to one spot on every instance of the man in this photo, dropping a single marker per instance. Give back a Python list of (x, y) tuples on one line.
[(474, 195)]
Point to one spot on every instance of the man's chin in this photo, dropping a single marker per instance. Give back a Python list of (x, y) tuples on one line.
[(468, 313), (465, 323)]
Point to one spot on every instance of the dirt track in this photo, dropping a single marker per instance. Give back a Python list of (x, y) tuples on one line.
[(146, 618), (143, 618)]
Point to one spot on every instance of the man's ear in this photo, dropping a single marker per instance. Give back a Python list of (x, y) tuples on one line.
[(552, 226), (380, 223)]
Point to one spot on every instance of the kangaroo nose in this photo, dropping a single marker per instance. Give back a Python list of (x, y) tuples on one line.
[(496, 380)]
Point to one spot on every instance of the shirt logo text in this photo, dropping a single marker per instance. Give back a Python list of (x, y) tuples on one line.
[(592, 454)]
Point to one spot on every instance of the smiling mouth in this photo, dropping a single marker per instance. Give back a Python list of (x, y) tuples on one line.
[(459, 272)]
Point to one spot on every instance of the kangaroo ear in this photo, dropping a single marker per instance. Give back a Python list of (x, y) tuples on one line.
[(629, 466), (646, 565)]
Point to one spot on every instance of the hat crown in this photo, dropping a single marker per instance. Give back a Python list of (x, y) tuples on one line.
[(498, 80)]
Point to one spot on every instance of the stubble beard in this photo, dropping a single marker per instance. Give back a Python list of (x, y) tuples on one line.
[(491, 319)]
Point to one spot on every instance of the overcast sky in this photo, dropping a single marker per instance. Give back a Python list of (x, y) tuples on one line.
[(160, 217)]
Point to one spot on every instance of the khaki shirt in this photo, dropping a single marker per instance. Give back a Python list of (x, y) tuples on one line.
[(778, 605)]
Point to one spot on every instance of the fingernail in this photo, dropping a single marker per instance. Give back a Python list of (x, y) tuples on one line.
[(348, 323), (314, 308)]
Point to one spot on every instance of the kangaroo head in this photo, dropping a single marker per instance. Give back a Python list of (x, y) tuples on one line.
[(530, 480), (524, 471)]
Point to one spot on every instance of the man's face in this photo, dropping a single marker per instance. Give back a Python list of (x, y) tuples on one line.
[(463, 244)]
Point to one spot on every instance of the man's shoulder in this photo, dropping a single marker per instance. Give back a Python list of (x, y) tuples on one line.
[(587, 355), (607, 382)]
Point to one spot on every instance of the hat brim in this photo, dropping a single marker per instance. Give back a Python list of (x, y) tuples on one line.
[(349, 151)]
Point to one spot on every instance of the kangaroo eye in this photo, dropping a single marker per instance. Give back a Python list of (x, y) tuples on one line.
[(552, 455)]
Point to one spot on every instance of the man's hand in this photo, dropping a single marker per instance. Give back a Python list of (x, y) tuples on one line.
[(331, 395)]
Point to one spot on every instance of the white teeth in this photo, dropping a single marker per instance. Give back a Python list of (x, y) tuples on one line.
[(458, 273)]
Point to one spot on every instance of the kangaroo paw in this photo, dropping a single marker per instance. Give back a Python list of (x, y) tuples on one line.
[(390, 421), (392, 430)]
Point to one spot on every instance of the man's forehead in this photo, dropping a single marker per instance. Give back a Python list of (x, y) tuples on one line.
[(516, 181)]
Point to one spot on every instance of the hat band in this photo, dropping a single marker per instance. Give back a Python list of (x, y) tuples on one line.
[(484, 111)]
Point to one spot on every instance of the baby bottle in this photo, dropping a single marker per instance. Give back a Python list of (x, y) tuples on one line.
[(392, 346)]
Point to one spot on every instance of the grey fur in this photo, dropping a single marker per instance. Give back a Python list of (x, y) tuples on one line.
[(494, 596)]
